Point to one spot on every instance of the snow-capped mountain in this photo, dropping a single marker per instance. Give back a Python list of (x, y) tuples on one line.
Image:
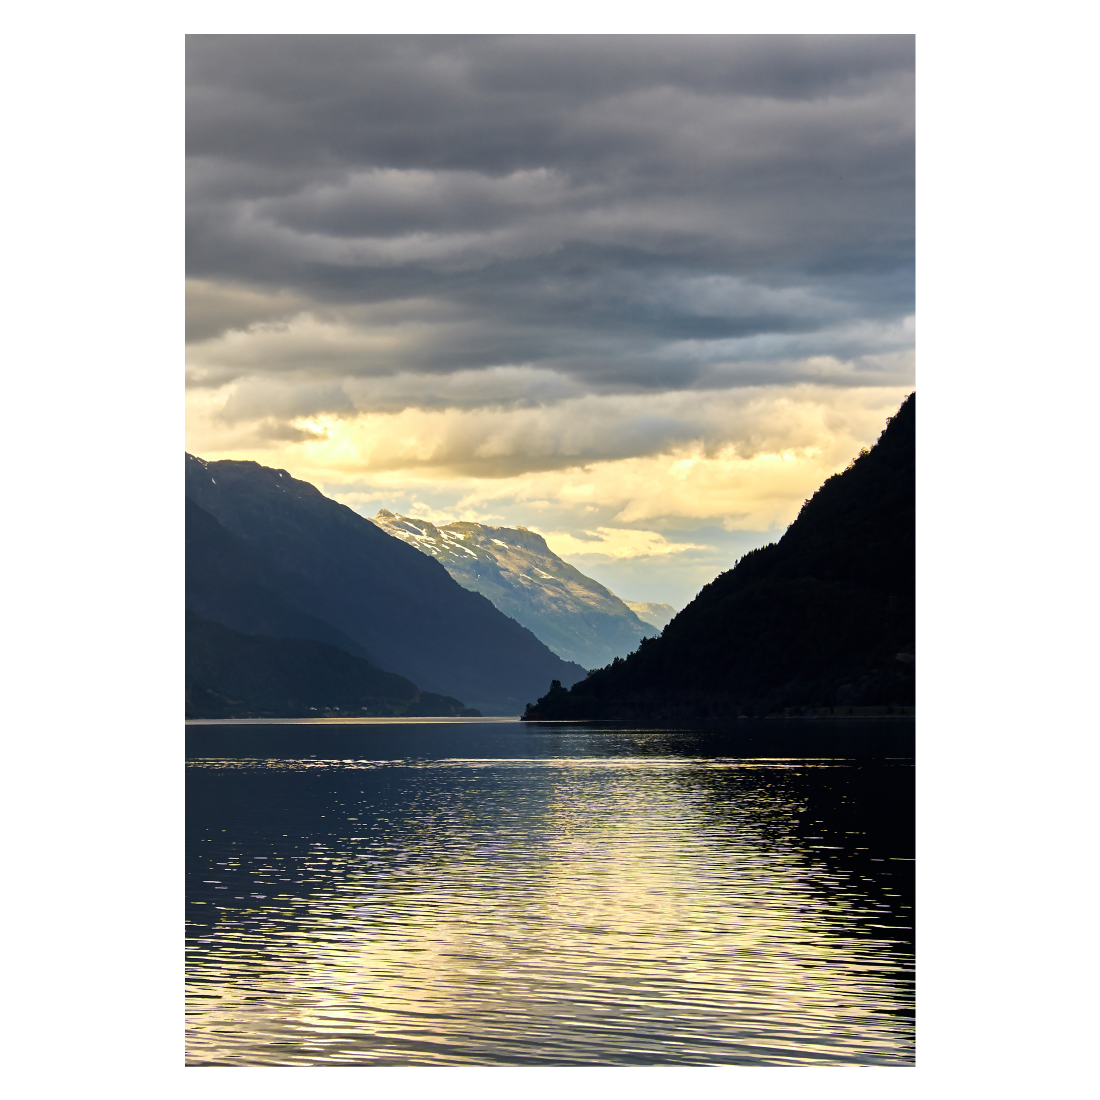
[(572, 614)]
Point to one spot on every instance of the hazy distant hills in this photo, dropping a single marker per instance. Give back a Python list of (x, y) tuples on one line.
[(234, 675), (575, 616), (824, 617), (656, 614), (272, 557)]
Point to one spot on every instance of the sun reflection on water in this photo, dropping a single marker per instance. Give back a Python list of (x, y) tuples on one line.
[(572, 911)]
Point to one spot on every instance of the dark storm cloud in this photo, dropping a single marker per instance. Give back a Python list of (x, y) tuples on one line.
[(632, 212)]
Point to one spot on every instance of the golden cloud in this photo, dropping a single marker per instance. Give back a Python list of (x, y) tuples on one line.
[(623, 467), (615, 542)]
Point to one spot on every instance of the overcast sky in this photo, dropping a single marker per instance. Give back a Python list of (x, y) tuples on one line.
[(642, 294)]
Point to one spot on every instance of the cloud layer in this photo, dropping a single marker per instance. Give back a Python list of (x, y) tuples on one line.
[(461, 258)]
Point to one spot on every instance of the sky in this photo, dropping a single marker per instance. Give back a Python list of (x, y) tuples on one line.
[(641, 294)]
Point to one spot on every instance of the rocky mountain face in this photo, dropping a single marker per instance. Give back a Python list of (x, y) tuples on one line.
[(271, 556), (575, 616)]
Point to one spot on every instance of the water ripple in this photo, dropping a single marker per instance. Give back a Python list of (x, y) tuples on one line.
[(557, 911)]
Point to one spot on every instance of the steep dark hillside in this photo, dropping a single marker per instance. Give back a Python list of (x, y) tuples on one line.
[(229, 583), (233, 675), (403, 609), (817, 619)]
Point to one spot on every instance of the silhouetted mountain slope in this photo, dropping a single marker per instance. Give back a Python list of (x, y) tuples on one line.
[(403, 609), (817, 619), (574, 615), (233, 675), (227, 582)]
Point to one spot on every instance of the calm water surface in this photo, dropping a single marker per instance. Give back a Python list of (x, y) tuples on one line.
[(510, 894)]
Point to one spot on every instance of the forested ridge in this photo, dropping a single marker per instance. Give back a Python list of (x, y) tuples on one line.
[(824, 617)]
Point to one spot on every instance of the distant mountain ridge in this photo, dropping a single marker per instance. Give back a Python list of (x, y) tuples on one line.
[(826, 617), (576, 616), (656, 614), (271, 556), (234, 675)]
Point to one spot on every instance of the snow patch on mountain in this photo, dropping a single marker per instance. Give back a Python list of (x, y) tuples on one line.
[(576, 616)]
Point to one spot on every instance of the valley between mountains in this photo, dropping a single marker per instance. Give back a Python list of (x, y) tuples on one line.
[(297, 606)]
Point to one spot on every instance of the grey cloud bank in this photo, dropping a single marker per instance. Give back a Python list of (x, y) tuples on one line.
[(383, 221)]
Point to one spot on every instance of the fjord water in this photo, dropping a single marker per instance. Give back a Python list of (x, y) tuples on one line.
[(510, 894)]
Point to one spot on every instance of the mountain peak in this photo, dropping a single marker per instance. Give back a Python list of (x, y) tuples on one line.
[(576, 616)]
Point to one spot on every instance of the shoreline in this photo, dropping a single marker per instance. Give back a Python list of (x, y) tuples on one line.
[(727, 721), (518, 720), (455, 721)]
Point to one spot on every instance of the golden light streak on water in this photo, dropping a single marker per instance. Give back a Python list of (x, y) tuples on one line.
[(577, 911)]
